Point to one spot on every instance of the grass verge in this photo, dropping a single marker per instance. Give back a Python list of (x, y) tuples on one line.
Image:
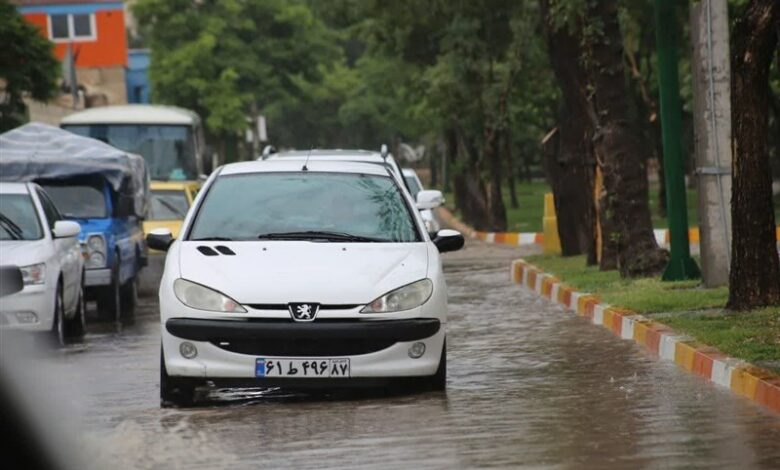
[(685, 306)]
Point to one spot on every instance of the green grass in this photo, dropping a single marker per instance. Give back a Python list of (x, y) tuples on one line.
[(752, 336), (685, 306), (528, 216)]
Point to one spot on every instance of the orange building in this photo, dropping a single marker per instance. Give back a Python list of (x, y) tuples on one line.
[(95, 31)]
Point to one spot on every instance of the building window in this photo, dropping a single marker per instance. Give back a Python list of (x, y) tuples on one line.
[(70, 27)]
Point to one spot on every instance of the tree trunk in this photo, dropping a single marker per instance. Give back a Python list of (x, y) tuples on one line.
[(510, 168), (620, 147), (568, 163), (754, 279), (495, 199)]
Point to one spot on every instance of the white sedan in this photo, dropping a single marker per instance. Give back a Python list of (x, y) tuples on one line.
[(34, 237), (291, 273)]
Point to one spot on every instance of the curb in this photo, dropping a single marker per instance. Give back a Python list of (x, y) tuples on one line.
[(536, 238), (742, 378)]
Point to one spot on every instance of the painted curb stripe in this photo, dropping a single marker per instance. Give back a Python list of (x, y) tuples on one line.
[(741, 378)]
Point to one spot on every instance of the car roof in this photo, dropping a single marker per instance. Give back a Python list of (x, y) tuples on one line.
[(408, 172), (133, 114), (296, 165), (7, 187)]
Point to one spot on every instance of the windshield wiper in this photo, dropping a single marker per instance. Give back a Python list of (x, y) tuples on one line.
[(11, 228), (318, 235), (212, 239)]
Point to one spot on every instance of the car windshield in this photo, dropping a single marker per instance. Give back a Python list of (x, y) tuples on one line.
[(312, 205), (414, 188), (168, 205), (78, 201), (18, 218), (169, 150)]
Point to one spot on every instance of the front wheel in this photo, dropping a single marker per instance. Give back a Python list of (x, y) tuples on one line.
[(109, 299), (174, 391), (129, 299), (76, 327), (58, 325)]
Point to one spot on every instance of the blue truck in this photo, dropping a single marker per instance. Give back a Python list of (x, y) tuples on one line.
[(105, 189)]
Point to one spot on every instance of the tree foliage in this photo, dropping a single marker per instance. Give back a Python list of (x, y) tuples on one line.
[(27, 65)]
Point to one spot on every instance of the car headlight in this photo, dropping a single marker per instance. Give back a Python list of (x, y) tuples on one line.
[(202, 298), (404, 298), (33, 274), (95, 251)]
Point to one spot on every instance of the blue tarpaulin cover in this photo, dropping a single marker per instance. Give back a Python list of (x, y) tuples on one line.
[(38, 151)]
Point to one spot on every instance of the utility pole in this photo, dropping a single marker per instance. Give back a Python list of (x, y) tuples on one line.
[(712, 130), (681, 265)]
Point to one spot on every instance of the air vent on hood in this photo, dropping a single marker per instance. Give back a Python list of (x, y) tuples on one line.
[(225, 250), (208, 251)]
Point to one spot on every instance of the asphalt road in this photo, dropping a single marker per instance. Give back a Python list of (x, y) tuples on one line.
[(529, 385)]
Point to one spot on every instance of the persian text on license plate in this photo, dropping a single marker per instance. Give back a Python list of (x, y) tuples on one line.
[(303, 368)]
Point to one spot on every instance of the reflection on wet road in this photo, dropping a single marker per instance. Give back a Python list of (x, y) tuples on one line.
[(529, 385)]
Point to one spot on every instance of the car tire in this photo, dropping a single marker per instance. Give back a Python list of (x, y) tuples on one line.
[(129, 300), (438, 381), (76, 327), (58, 325), (174, 391), (109, 299)]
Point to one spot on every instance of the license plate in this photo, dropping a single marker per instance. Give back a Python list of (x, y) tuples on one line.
[(302, 368)]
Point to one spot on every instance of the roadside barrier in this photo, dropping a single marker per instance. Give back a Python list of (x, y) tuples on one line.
[(742, 378)]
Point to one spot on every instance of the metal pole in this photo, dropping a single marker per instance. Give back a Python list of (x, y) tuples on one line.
[(681, 265)]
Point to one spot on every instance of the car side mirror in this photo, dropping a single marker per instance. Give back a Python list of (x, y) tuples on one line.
[(448, 240), (66, 229), (159, 239), (11, 280), (429, 199)]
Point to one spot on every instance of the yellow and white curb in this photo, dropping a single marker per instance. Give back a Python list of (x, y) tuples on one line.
[(742, 378)]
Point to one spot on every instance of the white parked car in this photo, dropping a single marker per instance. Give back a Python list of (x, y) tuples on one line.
[(34, 237), (415, 186), (291, 273)]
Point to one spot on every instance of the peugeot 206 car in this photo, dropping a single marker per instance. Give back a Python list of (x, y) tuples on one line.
[(295, 273)]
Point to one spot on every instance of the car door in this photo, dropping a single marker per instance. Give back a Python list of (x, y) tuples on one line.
[(67, 250)]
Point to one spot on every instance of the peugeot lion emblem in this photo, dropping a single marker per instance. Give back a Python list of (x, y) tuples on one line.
[(303, 311)]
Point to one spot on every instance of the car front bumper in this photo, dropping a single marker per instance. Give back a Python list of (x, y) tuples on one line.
[(229, 348), (97, 277), (32, 309)]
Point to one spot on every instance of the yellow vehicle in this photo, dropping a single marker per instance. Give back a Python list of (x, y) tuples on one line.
[(170, 201)]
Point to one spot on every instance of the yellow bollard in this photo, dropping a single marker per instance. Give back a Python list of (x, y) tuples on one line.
[(550, 243)]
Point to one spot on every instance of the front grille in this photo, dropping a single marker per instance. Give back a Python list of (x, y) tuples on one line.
[(284, 306), (304, 347)]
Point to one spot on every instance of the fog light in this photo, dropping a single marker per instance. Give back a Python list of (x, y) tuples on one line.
[(188, 350), (26, 317), (417, 350)]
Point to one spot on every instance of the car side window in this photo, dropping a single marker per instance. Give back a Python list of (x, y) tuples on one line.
[(49, 209)]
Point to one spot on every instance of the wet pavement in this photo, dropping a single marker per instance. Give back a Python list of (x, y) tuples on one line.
[(529, 386)]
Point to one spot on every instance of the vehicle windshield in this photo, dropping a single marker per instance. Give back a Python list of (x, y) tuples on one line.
[(168, 205), (18, 218), (414, 188), (78, 201), (169, 150), (325, 206)]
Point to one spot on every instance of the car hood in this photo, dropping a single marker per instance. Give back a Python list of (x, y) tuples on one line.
[(302, 271), (23, 252)]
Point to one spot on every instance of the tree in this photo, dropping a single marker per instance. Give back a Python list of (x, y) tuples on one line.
[(224, 59), (619, 146), (27, 66), (754, 279), (570, 165)]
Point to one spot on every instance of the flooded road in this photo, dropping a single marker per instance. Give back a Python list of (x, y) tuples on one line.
[(529, 385)]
